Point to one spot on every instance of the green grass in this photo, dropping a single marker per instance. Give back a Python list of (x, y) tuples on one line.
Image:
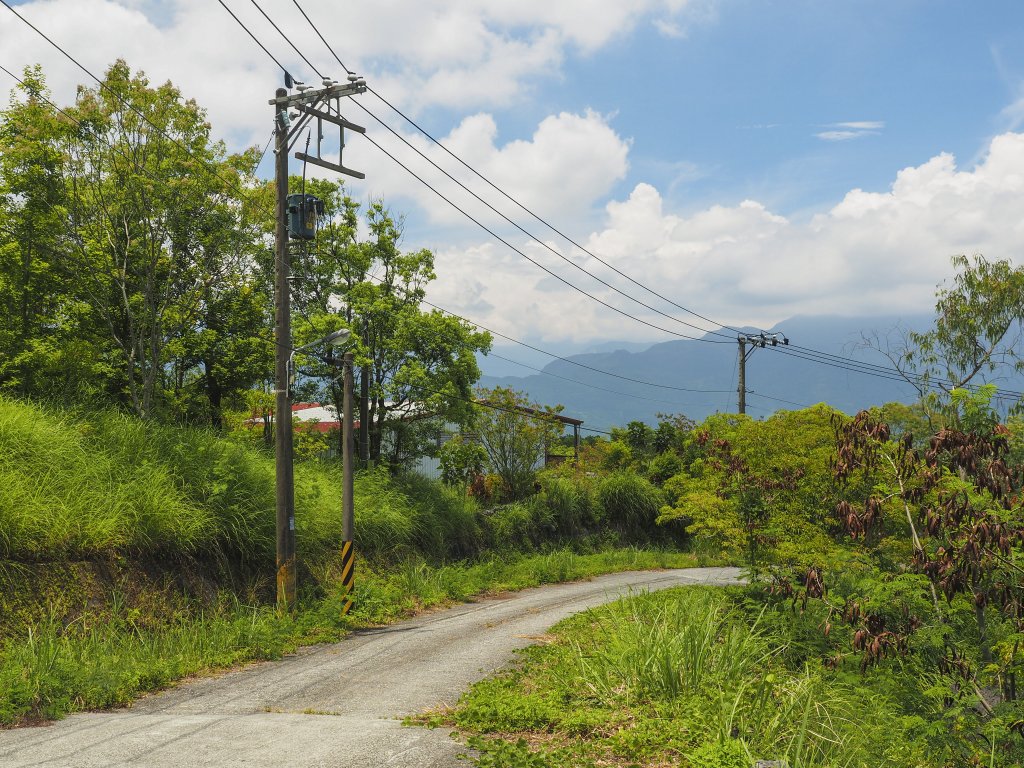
[(679, 677), (99, 661), (75, 488)]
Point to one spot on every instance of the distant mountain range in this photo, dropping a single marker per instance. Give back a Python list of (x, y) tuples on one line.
[(698, 378)]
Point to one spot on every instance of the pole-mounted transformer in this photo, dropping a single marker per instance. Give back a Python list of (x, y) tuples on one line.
[(303, 213)]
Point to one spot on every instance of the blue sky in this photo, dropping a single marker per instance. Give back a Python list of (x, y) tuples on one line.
[(731, 110), (751, 159)]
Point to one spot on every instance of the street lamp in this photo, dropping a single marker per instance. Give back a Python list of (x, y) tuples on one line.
[(286, 580), (335, 339)]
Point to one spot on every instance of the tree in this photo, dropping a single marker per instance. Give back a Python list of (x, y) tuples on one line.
[(960, 501), (515, 433), (417, 362), (47, 338), (152, 214), (979, 326)]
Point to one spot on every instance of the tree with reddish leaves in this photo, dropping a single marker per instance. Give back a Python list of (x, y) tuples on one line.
[(961, 505)]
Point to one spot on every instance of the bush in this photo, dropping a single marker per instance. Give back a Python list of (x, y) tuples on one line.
[(571, 504), (512, 528), (630, 504)]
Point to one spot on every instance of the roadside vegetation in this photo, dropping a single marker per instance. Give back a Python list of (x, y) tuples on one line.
[(133, 554), (883, 623)]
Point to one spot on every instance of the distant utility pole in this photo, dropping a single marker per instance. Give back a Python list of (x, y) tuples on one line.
[(323, 105), (755, 340)]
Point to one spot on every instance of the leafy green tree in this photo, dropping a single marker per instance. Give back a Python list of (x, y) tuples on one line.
[(977, 334), (151, 203), (461, 461), (48, 341), (514, 433), (420, 361), (759, 487)]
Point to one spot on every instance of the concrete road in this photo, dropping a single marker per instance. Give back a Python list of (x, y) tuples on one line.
[(334, 705)]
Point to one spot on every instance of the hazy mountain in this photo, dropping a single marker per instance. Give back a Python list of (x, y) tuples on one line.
[(784, 373)]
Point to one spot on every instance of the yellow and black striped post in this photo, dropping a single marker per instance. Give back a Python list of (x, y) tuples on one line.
[(348, 573), (348, 552)]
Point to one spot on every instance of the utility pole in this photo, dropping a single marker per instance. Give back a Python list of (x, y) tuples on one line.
[(755, 340), (322, 105), (364, 403), (285, 500)]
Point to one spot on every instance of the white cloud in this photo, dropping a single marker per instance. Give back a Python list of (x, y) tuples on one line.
[(861, 125), (569, 164), (840, 135), (852, 129), (873, 252)]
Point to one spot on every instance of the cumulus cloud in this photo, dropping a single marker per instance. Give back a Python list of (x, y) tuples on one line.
[(570, 162), (871, 253)]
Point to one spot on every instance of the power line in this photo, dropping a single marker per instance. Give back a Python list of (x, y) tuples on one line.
[(282, 34), (254, 39), (907, 377), (509, 245), (510, 197), (315, 29), (505, 242), (586, 384), (557, 231), (530, 235), (777, 399), (565, 359)]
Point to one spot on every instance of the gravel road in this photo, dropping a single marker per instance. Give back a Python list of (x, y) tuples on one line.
[(330, 706)]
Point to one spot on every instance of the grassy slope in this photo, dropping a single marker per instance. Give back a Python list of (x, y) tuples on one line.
[(72, 488), (133, 554)]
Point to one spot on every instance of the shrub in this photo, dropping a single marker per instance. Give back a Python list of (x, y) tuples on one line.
[(630, 504)]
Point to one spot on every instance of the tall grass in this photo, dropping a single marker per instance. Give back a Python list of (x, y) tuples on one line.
[(690, 645), (57, 669), (669, 648), (72, 488)]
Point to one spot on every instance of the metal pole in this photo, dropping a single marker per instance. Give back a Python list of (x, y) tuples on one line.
[(742, 388), (285, 499), (347, 502), (364, 403), (576, 442)]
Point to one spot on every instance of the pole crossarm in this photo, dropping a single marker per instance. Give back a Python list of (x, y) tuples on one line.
[(339, 121), (336, 91), (755, 340), (324, 106)]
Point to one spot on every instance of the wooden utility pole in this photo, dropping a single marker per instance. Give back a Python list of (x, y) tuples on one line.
[(322, 105), (285, 500), (755, 340)]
